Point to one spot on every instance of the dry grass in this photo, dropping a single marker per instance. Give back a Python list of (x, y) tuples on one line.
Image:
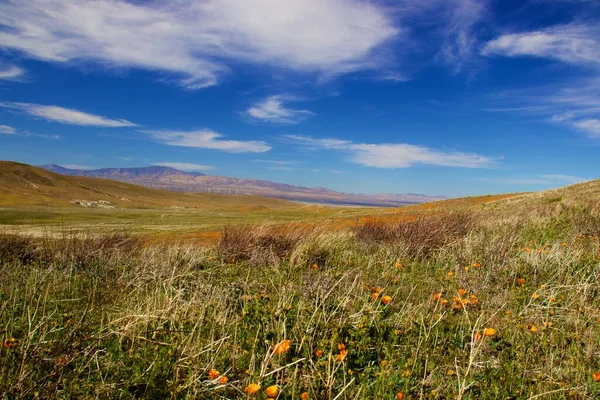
[(411, 302)]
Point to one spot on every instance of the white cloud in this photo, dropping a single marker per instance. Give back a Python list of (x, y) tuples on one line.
[(577, 44), (195, 39), (395, 155), (564, 178), (185, 166), (590, 126), (207, 139), (66, 115), (7, 130), (272, 110), (11, 73)]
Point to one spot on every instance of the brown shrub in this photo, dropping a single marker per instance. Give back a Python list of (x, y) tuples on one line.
[(419, 236), (19, 248), (260, 243)]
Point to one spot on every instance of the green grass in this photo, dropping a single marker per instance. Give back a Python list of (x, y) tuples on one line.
[(96, 317)]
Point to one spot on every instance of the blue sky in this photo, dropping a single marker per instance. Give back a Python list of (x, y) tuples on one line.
[(445, 97)]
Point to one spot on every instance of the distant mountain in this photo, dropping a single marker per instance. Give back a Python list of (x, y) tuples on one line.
[(180, 181)]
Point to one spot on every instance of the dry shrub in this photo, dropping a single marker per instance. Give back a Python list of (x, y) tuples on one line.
[(419, 236), (260, 243), (15, 247)]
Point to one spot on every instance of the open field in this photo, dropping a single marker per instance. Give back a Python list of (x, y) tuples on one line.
[(479, 298)]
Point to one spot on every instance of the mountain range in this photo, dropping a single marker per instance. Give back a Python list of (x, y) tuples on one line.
[(167, 178)]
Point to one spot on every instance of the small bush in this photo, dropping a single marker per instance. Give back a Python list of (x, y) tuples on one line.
[(15, 247), (419, 236), (260, 243)]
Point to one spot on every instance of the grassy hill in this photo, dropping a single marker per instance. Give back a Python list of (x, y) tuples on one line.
[(22, 184)]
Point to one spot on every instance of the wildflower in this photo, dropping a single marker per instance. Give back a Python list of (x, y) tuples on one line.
[(213, 374), (443, 302), (10, 343), (341, 346), (315, 266), (437, 296), (450, 274), (450, 372), (304, 396), (318, 352), (252, 388), (386, 300), (489, 332), (462, 292), (474, 299), (548, 324), (476, 265), (375, 295), (596, 376), (63, 360), (398, 265), (272, 391), (400, 396), (223, 380), (340, 357), (532, 328), (282, 347), (476, 336), (521, 281), (535, 296)]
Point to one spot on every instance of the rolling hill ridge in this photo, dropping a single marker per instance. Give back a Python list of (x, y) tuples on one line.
[(171, 179)]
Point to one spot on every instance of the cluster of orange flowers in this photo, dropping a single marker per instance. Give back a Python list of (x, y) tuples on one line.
[(458, 302), (376, 293), (215, 375), (343, 352)]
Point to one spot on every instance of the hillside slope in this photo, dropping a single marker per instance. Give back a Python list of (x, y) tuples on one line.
[(22, 184), (160, 177)]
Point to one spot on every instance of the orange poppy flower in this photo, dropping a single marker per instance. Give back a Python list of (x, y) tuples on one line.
[(476, 336), (489, 332), (340, 357), (386, 300), (272, 391), (282, 347), (400, 396), (341, 346), (521, 281), (213, 374), (437, 296), (304, 396), (596, 376), (375, 295), (443, 302), (318, 352), (10, 343), (532, 328), (476, 265), (223, 380), (252, 388), (462, 292)]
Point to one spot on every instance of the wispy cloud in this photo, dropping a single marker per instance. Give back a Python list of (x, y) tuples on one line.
[(11, 73), (196, 39), (577, 44), (394, 155), (460, 39), (66, 115), (207, 139), (185, 166), (7, 130), (273, 110), (576, 105)]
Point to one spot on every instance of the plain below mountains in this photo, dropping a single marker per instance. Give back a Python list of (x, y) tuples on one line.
[(166, 178)]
